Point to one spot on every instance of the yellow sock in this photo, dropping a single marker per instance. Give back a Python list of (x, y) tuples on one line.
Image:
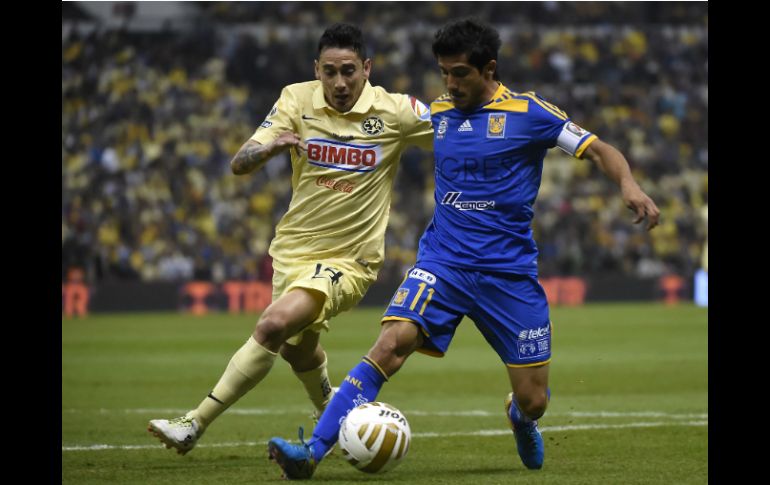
[(317, 385), (249, 365)]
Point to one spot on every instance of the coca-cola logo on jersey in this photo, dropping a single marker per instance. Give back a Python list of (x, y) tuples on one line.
[(343, 156), (334, 184)]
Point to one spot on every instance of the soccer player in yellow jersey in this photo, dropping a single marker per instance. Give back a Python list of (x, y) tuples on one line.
[(345, 138)]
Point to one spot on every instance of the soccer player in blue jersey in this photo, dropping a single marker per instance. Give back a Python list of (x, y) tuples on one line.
[(477, 257)]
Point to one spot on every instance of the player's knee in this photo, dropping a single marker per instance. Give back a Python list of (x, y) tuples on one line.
[(392, 349), (272, 329)]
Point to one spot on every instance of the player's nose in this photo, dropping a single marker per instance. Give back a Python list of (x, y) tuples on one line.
[(451, 83)]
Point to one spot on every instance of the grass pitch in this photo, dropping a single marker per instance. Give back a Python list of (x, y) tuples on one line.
[(629, 401)]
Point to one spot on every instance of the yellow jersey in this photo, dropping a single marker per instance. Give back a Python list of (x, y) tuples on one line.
[(342, 185)]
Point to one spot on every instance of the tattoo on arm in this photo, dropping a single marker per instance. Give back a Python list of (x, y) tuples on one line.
[(249, 158)]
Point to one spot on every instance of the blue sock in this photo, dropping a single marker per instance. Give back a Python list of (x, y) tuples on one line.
[(362, 384), (517, 417)]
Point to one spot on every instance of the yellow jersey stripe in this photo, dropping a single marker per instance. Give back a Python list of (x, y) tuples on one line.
[(516, 105), (402, 319), (550, 105), (554, 111), (376, 367), (432, 353), (584, 145), (406, 275), (440, 106), (536, 364), (399, 319)]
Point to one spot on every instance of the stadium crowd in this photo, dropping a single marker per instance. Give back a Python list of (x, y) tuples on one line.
[(150, 121)]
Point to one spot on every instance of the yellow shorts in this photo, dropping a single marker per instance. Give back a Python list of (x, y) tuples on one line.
[(343, 282)]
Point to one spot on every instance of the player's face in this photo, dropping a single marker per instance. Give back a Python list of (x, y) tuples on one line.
[(467, 86), (343, 75)]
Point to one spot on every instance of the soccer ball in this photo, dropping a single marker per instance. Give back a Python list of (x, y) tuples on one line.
[(374, 437)]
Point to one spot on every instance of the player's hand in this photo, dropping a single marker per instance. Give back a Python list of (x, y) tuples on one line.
[(639, 202), (285, 141)]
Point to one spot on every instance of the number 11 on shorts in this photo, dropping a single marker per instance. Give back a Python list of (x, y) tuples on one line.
[(422, 287)]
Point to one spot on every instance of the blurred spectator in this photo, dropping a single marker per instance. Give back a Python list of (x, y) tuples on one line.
[(150, 121)]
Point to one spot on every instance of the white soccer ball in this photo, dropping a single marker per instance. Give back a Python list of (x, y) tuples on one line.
[(374, 437)]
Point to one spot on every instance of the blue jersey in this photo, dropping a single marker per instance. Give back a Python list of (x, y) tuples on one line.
[(489, 162)]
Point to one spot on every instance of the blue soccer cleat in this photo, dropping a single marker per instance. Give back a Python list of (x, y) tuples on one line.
[(296, 461), (529, 441)]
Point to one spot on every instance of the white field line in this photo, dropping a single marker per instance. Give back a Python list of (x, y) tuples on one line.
[(478, 413), (551, 429), (489, 432)]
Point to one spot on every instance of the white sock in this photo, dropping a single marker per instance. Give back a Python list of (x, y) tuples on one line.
[(317, 385), (248, 366)]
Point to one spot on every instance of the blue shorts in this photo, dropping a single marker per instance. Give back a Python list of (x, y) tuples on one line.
[(511, 311)]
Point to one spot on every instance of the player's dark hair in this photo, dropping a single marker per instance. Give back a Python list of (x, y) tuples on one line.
[(343, 36), (471, 36)]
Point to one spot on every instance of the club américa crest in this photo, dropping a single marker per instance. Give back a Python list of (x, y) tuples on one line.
[(373, 125)]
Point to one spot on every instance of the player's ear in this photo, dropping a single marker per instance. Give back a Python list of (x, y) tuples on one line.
[(489, 69), (317, 69), (367, 68)]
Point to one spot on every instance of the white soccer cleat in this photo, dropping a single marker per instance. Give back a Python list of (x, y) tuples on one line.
[(181, 433)]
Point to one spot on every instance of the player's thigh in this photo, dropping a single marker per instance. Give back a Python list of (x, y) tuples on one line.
[(512, 313), (435, 298), (295, 308), (341, 285)]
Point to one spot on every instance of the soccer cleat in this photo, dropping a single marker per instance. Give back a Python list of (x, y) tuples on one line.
[(181, 433), (296, 461), (529, 441)]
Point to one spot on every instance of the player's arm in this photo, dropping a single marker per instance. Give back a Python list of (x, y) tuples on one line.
[(275, 135), (615, 167), (253, 154)]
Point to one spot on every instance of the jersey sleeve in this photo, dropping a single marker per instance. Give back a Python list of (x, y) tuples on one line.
[(546, 120), (416, 127), (552, 127), (280, 118)]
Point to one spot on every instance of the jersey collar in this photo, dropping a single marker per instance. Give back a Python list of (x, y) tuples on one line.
[(499, 92), (363, 104)]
